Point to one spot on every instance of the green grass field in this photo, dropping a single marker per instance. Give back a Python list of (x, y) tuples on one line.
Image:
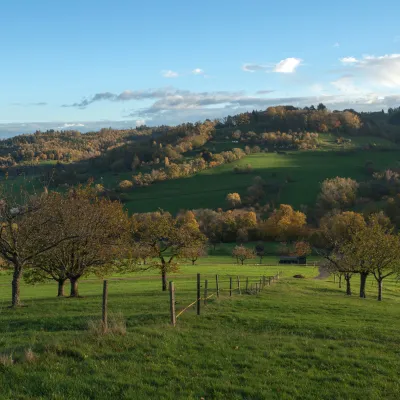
[(299, 338), (307, 169)]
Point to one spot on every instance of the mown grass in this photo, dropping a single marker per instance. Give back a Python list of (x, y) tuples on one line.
[(300, 338)]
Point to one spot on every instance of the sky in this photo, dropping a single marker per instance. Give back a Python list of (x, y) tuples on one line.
[(87, 64)]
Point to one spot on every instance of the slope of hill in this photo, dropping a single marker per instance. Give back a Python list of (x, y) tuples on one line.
[(296, 175), (292, 164)]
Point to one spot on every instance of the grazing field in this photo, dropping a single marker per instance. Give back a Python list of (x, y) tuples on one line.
[(299, 338), (305, 170)]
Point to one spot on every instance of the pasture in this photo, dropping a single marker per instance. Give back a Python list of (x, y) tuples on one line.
[(298, 174), (299, 338)]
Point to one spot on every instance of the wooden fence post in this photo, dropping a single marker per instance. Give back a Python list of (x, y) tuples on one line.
[(105, 307), (247, 284), (264, 281), (260, 284), (205, 291), (172, 302), (256, 287), (217, 283), (230, 287), (198, 294), (269, 281), (238, 285)]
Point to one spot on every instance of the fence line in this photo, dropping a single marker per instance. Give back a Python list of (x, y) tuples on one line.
[(259, 285)]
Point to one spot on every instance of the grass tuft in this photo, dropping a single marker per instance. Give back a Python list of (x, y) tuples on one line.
[(6, 360), (116, 326), (30, 356)]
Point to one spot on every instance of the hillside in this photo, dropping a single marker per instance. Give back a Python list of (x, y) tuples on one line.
[(292, 164), (306, 171)]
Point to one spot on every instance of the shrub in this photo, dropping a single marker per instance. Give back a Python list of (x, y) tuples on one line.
[(125, 185), (233, 200), (247, 169)]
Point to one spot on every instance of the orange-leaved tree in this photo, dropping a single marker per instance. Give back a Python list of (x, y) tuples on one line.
[(168, 239)]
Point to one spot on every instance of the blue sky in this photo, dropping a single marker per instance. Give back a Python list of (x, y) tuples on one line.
[(98, 63)]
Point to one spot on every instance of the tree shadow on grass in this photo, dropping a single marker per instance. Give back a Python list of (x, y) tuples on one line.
[(324, 290)]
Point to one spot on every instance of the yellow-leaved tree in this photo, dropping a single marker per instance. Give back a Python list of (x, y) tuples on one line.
[(284, 224)]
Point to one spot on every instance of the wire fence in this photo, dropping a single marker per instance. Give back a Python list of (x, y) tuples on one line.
[(251, 286)]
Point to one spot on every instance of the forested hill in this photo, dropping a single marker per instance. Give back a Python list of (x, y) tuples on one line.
[(71, 145), (139, 157)]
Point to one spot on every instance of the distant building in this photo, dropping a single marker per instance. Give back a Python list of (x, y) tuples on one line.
[(293, 260)]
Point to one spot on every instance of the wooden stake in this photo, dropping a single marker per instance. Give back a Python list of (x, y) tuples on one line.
[(238, 285), (172, 302), (259, 288), (198, 294), (247, 284), (105, 306), (230, 287), (205, 291), (217, 283)]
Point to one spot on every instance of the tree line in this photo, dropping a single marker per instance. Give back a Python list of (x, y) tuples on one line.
[(66, 236)]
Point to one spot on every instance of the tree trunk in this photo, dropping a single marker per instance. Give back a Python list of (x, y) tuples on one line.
[(61, 284), (16, 284), (164, 279), (74, 287), (242, 261), (363, 282), (261, 260), (193, 261), (340, 281), (380, 284), (348, 287)]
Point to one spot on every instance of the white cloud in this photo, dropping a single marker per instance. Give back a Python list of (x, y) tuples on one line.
[(169, 74), (348, 60), (140, 122), (66, 125), (377, 71), (288, 65), (198, 71)]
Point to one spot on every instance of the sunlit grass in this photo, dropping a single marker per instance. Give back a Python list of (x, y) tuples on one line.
[(299, 338)]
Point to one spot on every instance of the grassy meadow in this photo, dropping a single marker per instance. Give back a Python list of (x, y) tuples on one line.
[(304, 169), (298, 338)]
